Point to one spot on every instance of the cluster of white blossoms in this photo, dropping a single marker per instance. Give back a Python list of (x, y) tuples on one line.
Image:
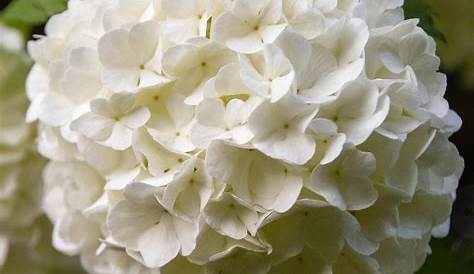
[(243, 136)]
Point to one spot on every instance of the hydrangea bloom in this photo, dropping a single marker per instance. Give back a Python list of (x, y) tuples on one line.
[(245, 136)]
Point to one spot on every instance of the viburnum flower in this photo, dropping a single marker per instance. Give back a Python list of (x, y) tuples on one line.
[(214, 120), (269, 136), (111, 122), (247, 25), (157, 235), (128, 60), (268, 74)]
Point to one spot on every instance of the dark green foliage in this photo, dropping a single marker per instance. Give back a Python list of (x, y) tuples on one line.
[(25, 14), (420, 9), (446, 260)]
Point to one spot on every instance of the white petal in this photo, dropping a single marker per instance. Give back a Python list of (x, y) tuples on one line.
[(160, 162), (136, 118), (226, 82), (201, 135), (236, 34), (189, 191), (230, 217), (120, 139), (309, 24), (210, 112), (55, 110), (159, 244), (143, 39), (122, 78), (273, 75), (187, 234), (308, 261), (93, 126), (346, 184), (296, 49), (125, 213), (115, 50), (353, 39), (279, 130), (35, 84), (278, 189)]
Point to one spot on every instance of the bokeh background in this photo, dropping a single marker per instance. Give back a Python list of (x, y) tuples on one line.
[(451, 22)]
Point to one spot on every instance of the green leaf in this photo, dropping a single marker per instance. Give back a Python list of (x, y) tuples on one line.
[(13, 70), (14, 67), (23, 15), (25, 29), (444, 260), (420, 9), (32, 12)]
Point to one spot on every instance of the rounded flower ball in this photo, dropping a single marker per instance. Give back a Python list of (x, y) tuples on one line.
[(244, 136)]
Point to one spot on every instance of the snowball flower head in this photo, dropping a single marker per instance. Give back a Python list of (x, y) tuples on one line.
[(245, 136)]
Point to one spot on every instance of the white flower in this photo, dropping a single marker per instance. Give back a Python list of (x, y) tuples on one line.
[(85, 186), (381, 13), (171, 122), (308, 260), (279, 129), (218, 121), (290, 233), (194, 63), (186, 19), (211, 246), (440, 166), (435, 208), (411, 252), (73, 233), (129, 57), (124, 13), (405, 103), (306, 17), (329, 142), (228, 83), (156, 234), (240, 136), (111, 122), (250, 261), (345, 183), (268, 74), (107, 161), (232, 217), (189, 191), (250, 24), (358, 111), (321, 73), (254, 177), (160, 162)]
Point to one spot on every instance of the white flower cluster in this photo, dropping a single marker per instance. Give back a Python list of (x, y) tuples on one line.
[(243, 136)]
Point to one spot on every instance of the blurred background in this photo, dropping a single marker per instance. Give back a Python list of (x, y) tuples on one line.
[(451, 22)]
